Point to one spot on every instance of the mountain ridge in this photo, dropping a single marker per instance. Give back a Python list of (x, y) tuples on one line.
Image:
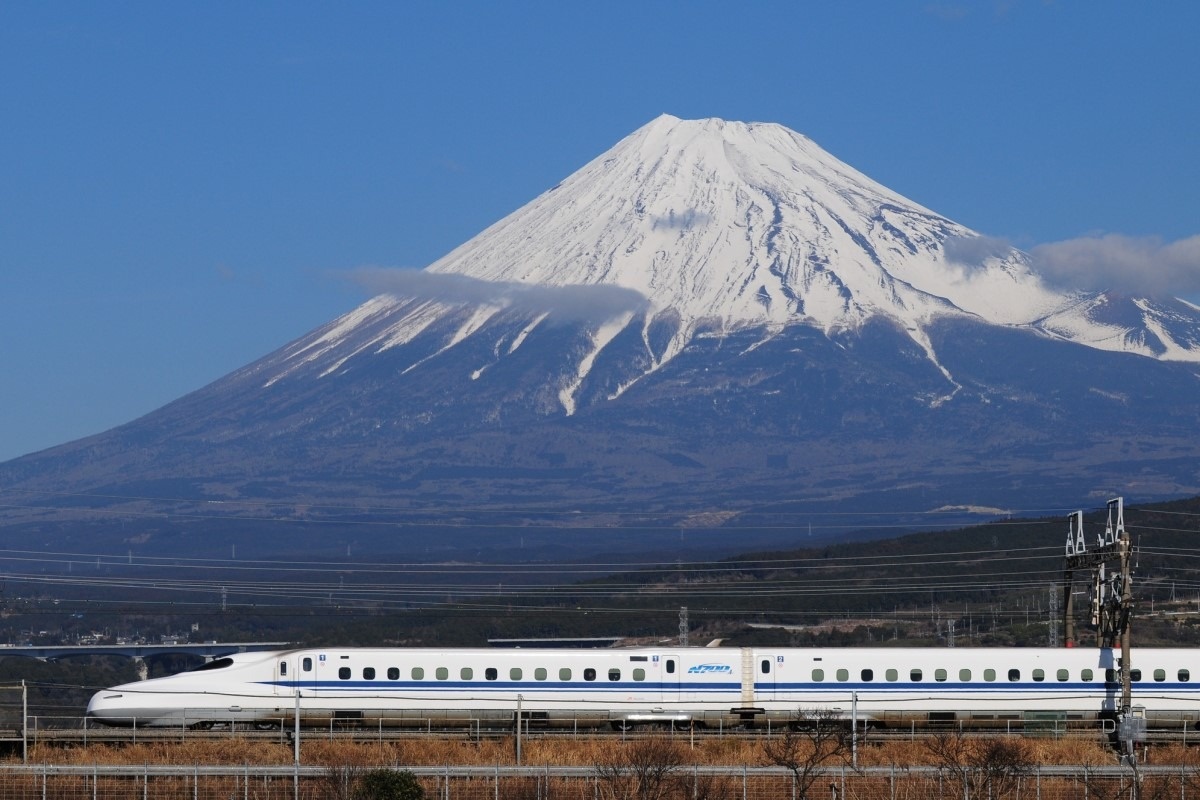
[(690, 249), (819, 361)]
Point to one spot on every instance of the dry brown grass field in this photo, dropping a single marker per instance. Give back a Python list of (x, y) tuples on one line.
[(582, 752), (644, 766)]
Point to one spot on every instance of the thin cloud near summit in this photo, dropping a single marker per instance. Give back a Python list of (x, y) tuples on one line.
[(1143, 266), (596, 302)]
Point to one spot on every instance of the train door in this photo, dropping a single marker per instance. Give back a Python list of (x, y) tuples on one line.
[(306, 673), (766, 671), (286, 668), (669, 669)]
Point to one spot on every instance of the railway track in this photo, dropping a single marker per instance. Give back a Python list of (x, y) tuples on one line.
[(82, 735)]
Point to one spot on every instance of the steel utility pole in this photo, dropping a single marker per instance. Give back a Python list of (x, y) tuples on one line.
[(1112, 591), (1125, 607)]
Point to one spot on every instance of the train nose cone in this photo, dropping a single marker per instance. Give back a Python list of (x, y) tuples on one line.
[(101, 707)]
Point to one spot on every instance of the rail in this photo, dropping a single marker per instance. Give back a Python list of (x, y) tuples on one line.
[(81, 731)]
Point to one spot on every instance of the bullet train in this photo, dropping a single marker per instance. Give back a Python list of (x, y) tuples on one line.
[(681, 686)]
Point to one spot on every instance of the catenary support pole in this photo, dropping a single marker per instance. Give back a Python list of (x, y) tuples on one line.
[(519, 698)]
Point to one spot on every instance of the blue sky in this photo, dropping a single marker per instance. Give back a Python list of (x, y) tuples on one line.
[(181, 184)]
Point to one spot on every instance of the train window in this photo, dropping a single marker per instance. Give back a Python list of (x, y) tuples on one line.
[(589, 674), (964, 675), (539, 674), (670, 666), (491, 673), (1184, 676), (1063, 675), (1110, 675), (514, 674), (614, 674), (282, 668), (466, 673), (1039, 674), (868, 674), (1014, 675), (939, 675), (989, 674), (442, 674), (368, 673), (639, 674), (1135, 674), (564, 673), (843, 674), (892, 675), (1160, 675), (344, 673), (765, 666), (818, 674), (393, 673), (639, 658), (914, 675), (1086, 675), (418, 673), (307, 664), (219, 663)]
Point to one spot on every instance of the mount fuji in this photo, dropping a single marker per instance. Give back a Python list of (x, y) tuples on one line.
[(714, 328)]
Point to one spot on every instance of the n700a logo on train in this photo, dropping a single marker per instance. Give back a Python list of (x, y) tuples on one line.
[(707, 669)]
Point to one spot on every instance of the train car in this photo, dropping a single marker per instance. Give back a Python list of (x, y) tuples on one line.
[(623, 687)]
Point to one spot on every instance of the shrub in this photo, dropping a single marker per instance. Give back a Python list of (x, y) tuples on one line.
[(389, 784)]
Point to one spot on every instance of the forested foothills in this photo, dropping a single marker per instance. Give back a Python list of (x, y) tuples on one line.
[(992, 584)]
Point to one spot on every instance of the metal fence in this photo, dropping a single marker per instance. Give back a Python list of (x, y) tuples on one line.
[(39, 729), (553, 783)]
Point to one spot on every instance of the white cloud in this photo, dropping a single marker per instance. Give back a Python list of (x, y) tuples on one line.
[(1140, 266), (573, 302), (972, 251), (1131, 265)]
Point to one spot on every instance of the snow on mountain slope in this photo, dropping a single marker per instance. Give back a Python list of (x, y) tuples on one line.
[(727, 225), (745, 223), (713, 321)]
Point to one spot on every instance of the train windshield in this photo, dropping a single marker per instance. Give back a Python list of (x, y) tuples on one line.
[(216, 663)]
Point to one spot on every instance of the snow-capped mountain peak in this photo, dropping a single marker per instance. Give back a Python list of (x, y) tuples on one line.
[(746, 223), (724, 225)]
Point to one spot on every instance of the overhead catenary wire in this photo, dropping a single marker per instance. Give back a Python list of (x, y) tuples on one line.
[(604, 567), (391, 585)]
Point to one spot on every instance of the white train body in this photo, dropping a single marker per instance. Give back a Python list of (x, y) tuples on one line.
[(710, 686)]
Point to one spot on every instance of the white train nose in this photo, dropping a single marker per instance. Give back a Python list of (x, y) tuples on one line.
[(106, 708)]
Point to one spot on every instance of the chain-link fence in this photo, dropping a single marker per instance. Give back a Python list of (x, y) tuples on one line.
[(552, 783)]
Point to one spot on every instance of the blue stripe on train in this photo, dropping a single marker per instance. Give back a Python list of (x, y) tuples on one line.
[(998, 687), (1186, 690), (507, 686)]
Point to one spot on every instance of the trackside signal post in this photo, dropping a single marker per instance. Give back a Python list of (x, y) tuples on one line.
[(1110, 559)]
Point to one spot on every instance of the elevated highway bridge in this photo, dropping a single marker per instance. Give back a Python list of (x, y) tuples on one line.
[(206, 650)]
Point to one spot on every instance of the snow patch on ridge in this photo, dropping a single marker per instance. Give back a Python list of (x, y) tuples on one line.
[(474, 322), (600, 339), (1172, 349), (519, 339), (921, 339), (312, 349)]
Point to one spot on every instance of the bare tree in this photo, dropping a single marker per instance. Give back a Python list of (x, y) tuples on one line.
[(340, 781), (643, 768), (989, 766), (811, 741), (1136, 785), (710, 787)]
